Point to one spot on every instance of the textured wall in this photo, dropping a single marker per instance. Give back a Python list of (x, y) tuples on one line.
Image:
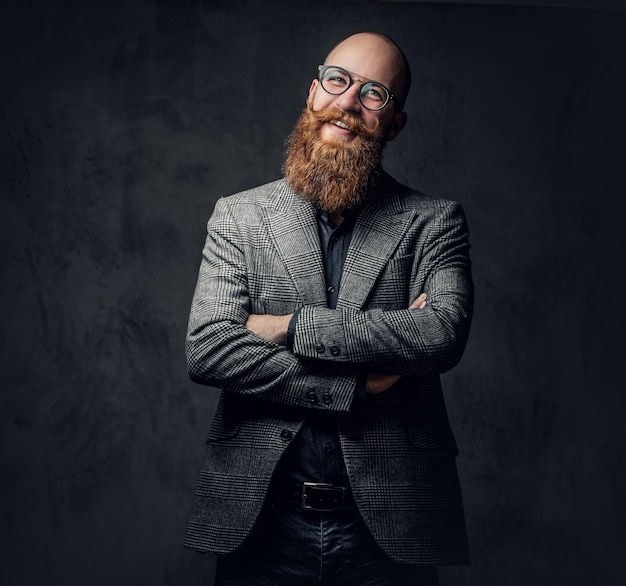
[(120, 125)]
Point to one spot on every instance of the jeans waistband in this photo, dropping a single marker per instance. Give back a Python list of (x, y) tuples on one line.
[(314, 496)]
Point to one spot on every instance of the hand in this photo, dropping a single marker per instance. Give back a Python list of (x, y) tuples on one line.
[(379, 383), (420, 302), (271, 327)]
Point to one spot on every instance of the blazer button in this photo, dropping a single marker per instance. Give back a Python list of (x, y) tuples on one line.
[(334, 350), (286, 434), (311, 397), (320, 348), (327, 398)]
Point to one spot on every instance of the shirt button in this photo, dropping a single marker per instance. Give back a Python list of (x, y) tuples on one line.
[(320, 348), (286, 434), (334, 350), (327, 398), (328, 448), (311, 397), (331, 289)]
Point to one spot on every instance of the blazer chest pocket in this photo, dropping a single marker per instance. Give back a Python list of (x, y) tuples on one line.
[(392, 288)]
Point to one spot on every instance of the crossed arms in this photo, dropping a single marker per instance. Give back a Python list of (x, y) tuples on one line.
[(273, 328), (232, 348)]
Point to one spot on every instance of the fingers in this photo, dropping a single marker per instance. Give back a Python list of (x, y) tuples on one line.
[(270, 327), (420, 302)]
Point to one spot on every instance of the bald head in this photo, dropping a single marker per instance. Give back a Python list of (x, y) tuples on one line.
[(375, 57)]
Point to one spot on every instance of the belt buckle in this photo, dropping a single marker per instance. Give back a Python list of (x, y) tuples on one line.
[(308, 507)]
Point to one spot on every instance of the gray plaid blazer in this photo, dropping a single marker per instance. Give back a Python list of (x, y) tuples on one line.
[(262, 255)]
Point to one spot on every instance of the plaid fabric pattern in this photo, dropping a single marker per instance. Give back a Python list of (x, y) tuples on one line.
[(262, 255)]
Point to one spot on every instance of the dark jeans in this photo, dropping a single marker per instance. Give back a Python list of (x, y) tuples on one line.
[(290, 547)]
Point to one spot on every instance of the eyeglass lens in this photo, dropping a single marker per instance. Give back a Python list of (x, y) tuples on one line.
[(336, 81)]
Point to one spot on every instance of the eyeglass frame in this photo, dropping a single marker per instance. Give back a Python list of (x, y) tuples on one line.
[(390, 96)]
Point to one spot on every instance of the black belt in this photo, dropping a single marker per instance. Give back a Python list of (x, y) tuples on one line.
[(317, 496)]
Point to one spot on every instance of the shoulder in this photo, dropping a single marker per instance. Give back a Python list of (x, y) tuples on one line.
[(253, 207), (248, 205), (399, 198), (262, 196)]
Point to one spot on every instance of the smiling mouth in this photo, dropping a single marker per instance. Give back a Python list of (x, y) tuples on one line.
[(342, 125)]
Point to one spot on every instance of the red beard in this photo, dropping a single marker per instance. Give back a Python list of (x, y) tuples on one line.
[(334, 175)]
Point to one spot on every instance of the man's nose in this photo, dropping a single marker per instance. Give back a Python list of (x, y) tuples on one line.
[(349, 100)]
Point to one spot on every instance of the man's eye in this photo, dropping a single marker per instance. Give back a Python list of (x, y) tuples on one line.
[(373, 93)]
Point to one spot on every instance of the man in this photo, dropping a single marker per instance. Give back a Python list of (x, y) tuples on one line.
[(327, 305)]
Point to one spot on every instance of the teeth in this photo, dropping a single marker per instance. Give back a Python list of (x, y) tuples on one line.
[(342, 125)]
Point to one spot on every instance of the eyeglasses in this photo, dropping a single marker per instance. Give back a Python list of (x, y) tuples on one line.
[(336, 81)]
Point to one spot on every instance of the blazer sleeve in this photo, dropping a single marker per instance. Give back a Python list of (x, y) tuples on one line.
[(222, 353), (404, 341)]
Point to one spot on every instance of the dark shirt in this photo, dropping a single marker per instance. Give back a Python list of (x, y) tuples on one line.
[(315, 454)]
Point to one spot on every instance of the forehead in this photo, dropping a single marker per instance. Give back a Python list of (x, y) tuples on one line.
[(371, 57)]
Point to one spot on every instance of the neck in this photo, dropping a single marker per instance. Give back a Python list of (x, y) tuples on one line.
[(336, 217)]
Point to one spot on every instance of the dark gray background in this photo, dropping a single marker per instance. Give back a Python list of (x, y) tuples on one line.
[(120, 125)]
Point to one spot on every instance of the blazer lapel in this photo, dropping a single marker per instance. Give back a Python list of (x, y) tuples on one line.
[(378, 231), (292, 226)]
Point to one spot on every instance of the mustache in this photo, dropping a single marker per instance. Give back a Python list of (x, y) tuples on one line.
[(352, 121)]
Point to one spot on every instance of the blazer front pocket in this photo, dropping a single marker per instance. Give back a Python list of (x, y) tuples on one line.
[(226, 421), (432, 437)]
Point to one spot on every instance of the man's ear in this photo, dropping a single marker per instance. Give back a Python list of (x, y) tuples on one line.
[(396, 125), (312, 89)]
